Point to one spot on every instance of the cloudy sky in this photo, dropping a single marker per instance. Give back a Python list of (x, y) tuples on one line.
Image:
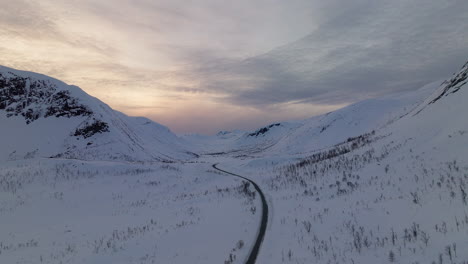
[(204, 66)]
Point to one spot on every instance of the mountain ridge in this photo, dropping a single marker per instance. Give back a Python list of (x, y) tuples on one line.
[(85, 126)]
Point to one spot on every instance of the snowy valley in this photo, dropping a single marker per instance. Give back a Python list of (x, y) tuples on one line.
[(381, 181)]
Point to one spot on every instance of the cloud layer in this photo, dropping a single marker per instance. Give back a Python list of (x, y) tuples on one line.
[(370, 49)]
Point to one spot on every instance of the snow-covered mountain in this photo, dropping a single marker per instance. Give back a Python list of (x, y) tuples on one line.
[(310, 135), (396, 193), (44, 117)]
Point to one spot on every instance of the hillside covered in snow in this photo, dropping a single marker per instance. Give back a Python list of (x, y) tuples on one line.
[(394, 194), (44, 117), (306, 136)]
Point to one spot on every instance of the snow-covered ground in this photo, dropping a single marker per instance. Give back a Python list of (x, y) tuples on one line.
[(70, 211), (381, 181)]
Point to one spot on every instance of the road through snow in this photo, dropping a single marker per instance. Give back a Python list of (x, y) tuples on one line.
[(264, 221)]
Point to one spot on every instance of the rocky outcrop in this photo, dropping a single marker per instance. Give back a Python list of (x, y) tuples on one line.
[(33, 99)]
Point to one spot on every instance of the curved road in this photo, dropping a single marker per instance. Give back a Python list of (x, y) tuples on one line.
[(263, 224)]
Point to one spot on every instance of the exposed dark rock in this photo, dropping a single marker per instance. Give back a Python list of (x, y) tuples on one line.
[(454, 84), (33, 99), (89, 130), (263, 130), (64, 105)]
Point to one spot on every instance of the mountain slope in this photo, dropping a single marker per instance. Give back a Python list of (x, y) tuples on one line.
[(44, 117), (319, 132), (394, 195)]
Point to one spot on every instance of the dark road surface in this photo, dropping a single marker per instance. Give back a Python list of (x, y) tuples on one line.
[(263, 224)]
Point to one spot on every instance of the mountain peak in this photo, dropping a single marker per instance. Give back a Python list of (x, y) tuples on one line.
[(53, 119), (34, 98)]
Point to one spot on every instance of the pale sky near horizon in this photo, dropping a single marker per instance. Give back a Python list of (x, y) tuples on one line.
[(205, 66)]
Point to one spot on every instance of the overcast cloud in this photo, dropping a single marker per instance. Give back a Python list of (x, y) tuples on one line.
[(189, 64)]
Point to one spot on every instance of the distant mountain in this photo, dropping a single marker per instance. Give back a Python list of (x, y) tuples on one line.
[(316, 133), (299, 137), (44, 117)]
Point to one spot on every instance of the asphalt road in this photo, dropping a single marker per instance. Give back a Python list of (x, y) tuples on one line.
[(264, 221)]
